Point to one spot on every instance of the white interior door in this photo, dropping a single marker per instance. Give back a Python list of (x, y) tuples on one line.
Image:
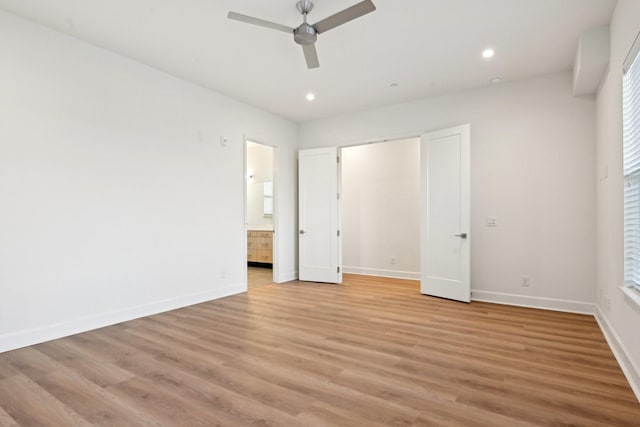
[(445, 210), (318, 216)]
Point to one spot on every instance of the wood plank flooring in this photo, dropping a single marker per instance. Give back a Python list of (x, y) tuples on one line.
[(370, 352), (258, 277)]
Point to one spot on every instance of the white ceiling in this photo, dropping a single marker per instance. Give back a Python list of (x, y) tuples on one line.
[(428, 47)]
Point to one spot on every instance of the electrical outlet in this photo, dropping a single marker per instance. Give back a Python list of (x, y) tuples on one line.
[(525, 281), (392, 260), (492, 221), (223, 274)]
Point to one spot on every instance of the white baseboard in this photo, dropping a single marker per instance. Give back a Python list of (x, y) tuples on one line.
[(630, 370), (33, 336), (534, 302), (395, 274), (287, 277)]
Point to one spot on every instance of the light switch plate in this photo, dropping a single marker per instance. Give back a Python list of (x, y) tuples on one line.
[(492, 221)]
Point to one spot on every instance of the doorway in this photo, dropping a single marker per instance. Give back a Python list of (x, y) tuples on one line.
[(260, 211), (444, 213), (381, 209)]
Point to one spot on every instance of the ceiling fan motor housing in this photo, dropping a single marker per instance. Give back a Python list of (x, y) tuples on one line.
[(304, 6), (305, 34)]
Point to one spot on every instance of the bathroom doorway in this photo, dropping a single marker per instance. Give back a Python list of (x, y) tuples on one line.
[(260, 208)]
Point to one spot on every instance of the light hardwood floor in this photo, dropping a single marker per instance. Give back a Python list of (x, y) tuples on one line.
[(370, 352), (258, 277)]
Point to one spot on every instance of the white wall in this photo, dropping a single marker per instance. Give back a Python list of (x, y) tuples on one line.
[(532, 166), (381, 209), (117, 198), (260, 163), (618, 315)]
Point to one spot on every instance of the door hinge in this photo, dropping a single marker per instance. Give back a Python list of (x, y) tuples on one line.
[(338, 196), (338, 233), (338, 269), (338, 159)]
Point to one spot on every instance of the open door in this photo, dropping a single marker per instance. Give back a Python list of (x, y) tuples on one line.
[(445, 211), (318, 216)]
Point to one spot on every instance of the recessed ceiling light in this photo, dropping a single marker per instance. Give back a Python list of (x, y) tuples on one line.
[(310, 97), (496, 80), (488, 53)]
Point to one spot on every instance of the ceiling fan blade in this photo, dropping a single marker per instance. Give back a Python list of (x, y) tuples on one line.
[(310, 55), (260, 22), (349, 14)]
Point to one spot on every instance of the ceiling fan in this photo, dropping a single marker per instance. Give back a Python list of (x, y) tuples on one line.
[(307, 34)]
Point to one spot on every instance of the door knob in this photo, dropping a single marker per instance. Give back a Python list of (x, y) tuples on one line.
[(301, 231), (462, 235)]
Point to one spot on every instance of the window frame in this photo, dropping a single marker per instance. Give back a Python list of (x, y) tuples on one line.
[(631, 166)]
